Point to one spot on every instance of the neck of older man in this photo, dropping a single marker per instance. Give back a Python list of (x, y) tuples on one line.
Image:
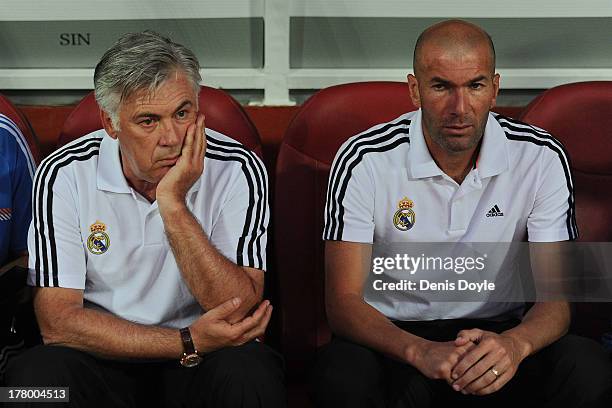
[(147, 191), (144, 188)]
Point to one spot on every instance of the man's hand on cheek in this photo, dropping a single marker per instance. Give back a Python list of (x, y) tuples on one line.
[(175, 184)]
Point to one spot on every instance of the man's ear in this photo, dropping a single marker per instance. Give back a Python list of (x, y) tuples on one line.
[(413, 84), (496, 90), (108, 124)]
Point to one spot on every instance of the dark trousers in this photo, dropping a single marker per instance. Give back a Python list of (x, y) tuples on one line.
[(572, 372), (251, 375)]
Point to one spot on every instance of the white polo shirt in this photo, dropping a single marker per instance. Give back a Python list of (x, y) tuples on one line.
[(520, 186), (92, 231)]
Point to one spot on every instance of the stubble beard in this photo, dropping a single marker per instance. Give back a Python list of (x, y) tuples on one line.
[(453, 144)]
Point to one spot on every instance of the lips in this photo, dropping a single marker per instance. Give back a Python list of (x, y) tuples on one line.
[(457, 129), (168, 162)]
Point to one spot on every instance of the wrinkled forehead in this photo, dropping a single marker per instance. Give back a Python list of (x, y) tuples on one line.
[(173, 90)]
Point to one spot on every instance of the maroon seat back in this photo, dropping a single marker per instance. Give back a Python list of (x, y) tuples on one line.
[(223, 114), (580, 116), (10, 110), (322, 124)]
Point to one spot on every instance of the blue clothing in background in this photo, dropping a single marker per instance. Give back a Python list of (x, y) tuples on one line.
[(16, 174)]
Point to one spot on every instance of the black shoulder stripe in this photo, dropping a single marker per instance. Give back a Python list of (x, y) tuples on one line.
[(343, 167), (248, 223), (572, 228), (506, 120), (262, 181), (362, 153), (37, 219), (40, 217), (520, 127), (525, 132), (235, 144), (256, 178), (349, 149), (518, 131), (46, 250), (370, 137)]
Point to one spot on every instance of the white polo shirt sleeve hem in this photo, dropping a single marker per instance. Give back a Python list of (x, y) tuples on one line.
[(362, 237), (551, 235)]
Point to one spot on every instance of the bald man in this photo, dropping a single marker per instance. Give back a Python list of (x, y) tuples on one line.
[(449, 172)]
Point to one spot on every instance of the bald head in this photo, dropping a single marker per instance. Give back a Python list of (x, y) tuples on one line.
[(454, 37)]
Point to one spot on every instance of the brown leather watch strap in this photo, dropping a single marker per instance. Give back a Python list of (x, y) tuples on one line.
[(187, 341)]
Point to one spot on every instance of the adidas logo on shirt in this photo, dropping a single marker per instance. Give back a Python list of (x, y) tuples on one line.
[(495, 212)]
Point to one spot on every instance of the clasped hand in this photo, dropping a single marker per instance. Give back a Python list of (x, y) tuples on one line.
[(478, 362)]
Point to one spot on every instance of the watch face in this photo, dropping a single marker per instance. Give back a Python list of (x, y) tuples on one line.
[(191, 360)]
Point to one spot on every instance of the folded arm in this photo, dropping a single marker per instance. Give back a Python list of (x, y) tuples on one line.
[(64, 321), (211, 277)]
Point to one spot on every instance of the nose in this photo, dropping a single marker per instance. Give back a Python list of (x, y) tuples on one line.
[(171, 134), (459, 102)]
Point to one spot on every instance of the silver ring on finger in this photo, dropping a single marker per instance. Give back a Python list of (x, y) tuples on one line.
[(495, 372)]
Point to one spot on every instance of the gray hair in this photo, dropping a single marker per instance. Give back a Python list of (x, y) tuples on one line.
[(140, 61)]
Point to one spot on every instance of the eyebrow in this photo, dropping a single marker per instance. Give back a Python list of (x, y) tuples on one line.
[(183, 105), (154, 115), (478, 78), (446, 81)]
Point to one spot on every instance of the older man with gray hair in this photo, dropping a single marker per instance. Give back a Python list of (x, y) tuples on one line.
[(148, 249)]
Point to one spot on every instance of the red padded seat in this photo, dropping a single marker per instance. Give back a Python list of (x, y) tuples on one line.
[(322, 124), (580, 116)]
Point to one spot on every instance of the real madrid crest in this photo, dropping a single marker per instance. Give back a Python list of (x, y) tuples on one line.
[(404, 217), (98, 241)]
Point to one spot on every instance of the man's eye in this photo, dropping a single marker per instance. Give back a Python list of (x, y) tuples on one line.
[(181, 114), (438, 87), (146, 122), (476, 85)]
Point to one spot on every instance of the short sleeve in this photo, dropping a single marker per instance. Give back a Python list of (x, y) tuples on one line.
[(349, 209), (56, 252), (553, 217), (240, 231)]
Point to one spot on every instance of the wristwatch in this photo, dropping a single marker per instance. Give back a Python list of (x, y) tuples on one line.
[(190, 357)]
